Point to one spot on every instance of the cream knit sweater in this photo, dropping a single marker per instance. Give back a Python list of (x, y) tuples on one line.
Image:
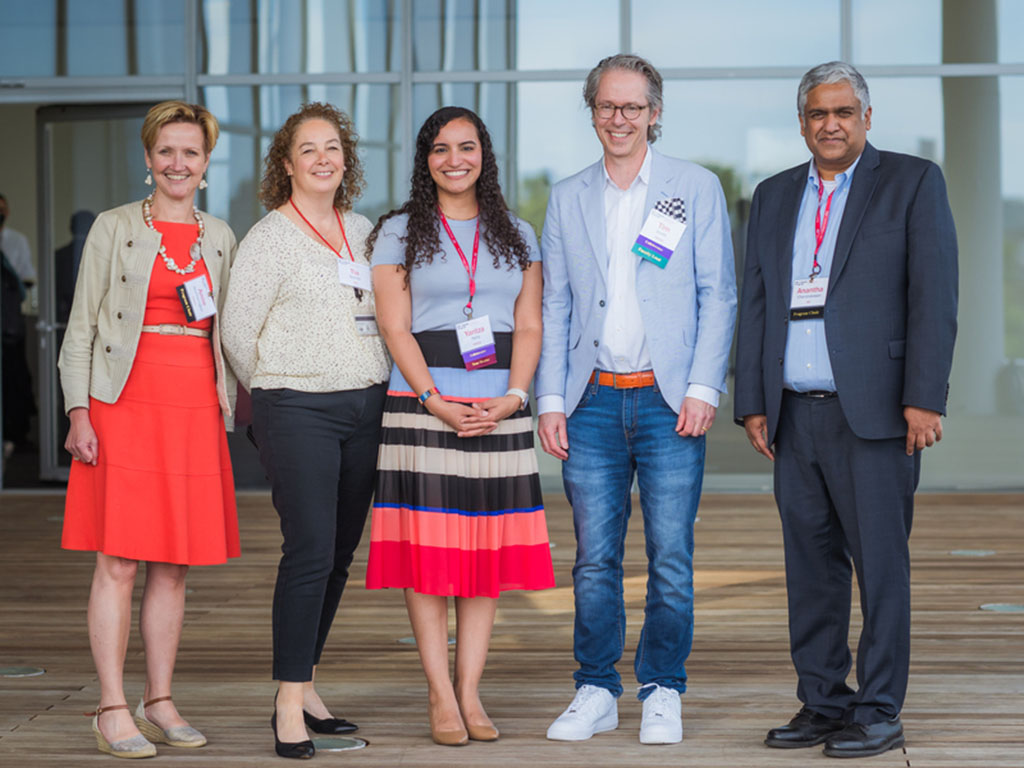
[(288, 322)]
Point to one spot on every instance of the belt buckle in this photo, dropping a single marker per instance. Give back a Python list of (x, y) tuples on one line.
[(169, 329)]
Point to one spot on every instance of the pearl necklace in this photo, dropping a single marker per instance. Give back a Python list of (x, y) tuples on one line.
[(193, 251)]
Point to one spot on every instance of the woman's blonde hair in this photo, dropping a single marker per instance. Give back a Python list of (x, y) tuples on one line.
[(167, 112)]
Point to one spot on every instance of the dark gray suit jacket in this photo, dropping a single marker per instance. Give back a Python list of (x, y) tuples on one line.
[(890, 316)]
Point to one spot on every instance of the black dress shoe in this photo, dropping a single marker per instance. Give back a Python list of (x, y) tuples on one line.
[(302, 750), (333, 725), (864, 740), (805, 730)]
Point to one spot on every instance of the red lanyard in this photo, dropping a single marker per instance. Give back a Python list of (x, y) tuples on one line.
[(317, 231), (470, 270), (820, 224), (344, 237)]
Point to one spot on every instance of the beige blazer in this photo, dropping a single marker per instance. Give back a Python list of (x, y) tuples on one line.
[(110, 301)]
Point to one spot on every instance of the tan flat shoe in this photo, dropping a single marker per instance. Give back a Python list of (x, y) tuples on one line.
[(179, 736), (135, 747), (482, 732), (452, 737)]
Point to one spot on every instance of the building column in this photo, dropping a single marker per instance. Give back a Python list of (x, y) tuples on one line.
[(972, 168)]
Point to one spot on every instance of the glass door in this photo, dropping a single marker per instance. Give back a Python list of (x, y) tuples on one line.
[(90, 159)]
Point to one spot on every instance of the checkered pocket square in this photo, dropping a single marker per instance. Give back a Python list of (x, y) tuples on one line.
[(674, 207)]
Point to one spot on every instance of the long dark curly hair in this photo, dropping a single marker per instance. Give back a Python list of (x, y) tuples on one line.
[(423, 233), (276, 186)]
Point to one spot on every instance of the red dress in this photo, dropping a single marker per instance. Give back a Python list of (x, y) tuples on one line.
[(162, 489)]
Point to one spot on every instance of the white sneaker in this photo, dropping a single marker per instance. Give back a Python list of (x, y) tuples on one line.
[(662, 721), (594, 710)]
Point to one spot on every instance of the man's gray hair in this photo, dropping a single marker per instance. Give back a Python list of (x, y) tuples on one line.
[(833, 72), (628, 63)]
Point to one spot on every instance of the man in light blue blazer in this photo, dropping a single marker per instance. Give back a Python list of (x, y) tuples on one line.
[(639, 306)]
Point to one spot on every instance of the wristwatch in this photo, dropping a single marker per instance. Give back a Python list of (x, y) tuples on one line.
[(525, 398)]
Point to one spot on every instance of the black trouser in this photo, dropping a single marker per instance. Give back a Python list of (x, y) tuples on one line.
[(319, 451), (843, 498)]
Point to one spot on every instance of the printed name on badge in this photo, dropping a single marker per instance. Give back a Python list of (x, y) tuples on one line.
[(196, 299), (808, 299), (476, 343), (355, 274), (658, 238)]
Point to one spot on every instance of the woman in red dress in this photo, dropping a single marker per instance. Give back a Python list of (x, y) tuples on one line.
[(147, 393)]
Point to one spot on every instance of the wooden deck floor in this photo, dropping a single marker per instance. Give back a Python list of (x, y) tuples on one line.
[(965, 707)]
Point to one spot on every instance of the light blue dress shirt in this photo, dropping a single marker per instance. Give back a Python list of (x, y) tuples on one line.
[(807, 366)]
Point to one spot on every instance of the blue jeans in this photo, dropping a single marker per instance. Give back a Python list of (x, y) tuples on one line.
[(614, 433)]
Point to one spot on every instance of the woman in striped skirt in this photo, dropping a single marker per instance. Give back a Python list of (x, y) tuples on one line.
[(458, 509)]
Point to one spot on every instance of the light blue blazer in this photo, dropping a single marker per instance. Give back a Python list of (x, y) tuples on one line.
[(688, 308)]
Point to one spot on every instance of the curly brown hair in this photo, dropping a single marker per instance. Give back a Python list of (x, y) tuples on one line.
[(276, 185), (423, 229)]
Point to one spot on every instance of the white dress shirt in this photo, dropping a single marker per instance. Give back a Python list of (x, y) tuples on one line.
[(623, 341), (623, 347)]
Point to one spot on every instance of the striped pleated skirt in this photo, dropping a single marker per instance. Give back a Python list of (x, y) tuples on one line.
[(457, 516)]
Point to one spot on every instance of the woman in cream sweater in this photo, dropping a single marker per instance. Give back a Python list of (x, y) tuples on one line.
[(299, 330)]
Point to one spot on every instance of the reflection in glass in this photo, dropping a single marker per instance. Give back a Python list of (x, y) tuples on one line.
[(28, 38), (1011, 31), (49, 38), (461, 35), (696, 33), (299, 36), (565, 34), (897, 32), (250, 116)]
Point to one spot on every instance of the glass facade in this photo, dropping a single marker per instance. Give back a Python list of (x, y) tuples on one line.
[(946, 76)]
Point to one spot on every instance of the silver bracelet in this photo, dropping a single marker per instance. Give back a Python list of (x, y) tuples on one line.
[(520, 394)]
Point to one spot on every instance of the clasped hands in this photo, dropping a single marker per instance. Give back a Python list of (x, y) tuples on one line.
[(473, 420)]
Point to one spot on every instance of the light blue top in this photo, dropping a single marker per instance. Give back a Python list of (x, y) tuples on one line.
[(440, 289), (807, 366)]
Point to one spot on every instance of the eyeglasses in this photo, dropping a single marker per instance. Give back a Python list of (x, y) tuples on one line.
[(629, 111)]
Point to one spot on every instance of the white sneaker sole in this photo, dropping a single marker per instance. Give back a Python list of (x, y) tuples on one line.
[(607, 723), (659, 736)]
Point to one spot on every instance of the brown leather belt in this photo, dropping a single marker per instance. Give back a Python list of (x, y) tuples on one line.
[(170, 329), (623, 380)]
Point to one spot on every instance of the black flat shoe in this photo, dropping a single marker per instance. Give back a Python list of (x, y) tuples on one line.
[(301, 750), (333, 725), (805, 730), (864, 740)]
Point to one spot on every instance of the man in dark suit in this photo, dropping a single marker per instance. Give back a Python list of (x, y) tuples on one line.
[(846, 329)]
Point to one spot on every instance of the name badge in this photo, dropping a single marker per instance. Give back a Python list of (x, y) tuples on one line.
[(355, 274), (660, 234), (366, 325), (476, 343), (197, 299), (808, 299)]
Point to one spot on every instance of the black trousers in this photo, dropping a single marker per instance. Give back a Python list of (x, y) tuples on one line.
[(844, 499), (319, 451)]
